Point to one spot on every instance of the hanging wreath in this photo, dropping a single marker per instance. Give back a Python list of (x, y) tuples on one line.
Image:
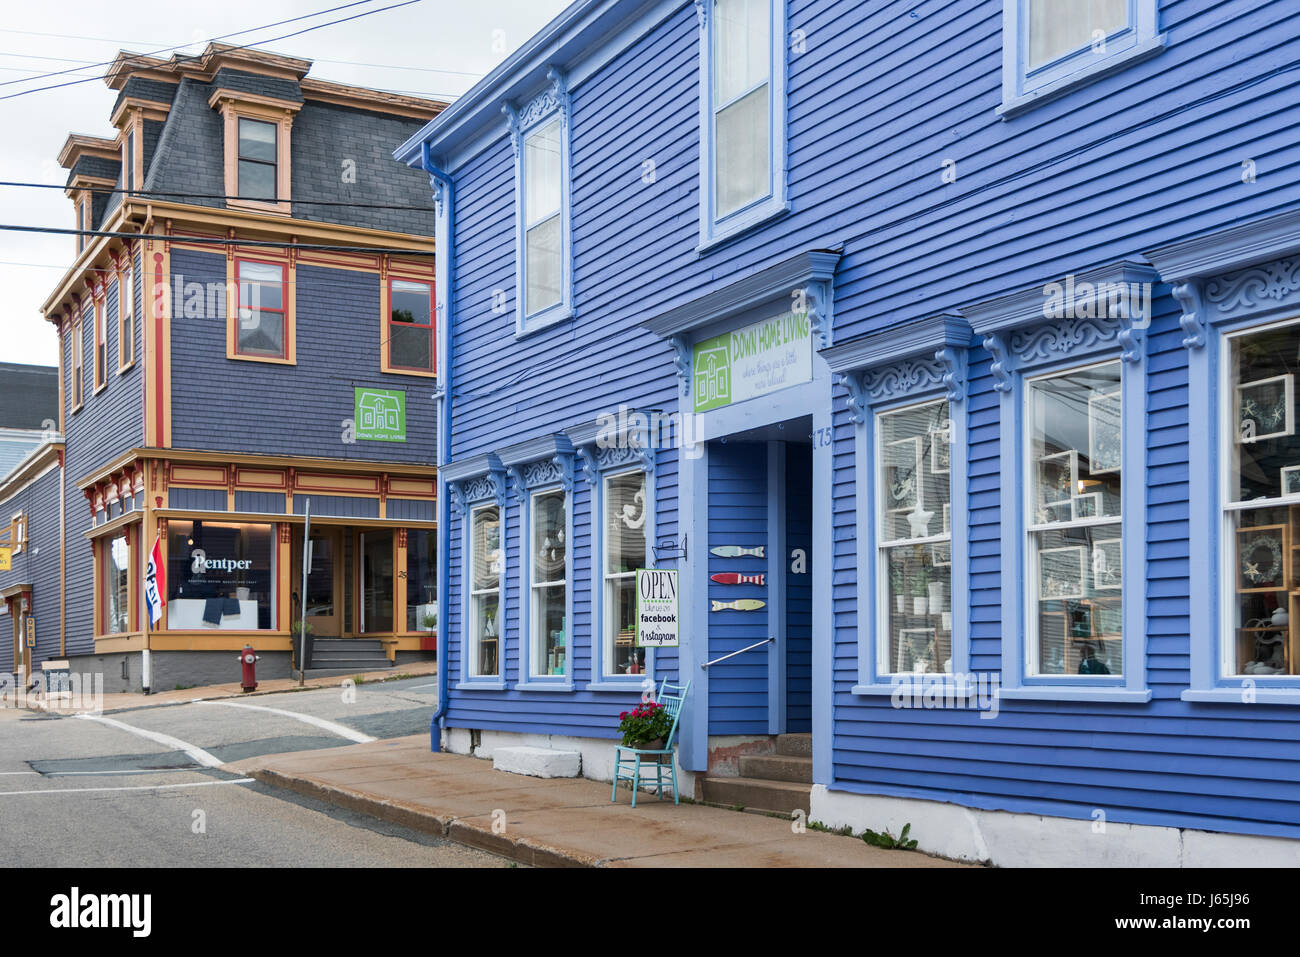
[(1261, 559)]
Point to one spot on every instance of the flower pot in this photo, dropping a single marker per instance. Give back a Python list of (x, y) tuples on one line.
[(656, 745), (919, 605), (428, 642)]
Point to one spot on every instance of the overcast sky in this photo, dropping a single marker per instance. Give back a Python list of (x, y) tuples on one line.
[(436, 48)]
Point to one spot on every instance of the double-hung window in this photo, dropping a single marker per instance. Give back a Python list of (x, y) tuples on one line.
[(543, 248), (410, 328), (742, 115), (1073, 505), (115, 557), (78, 368), (485, 629), (262, 324), (101, 345), (1053, 46), (257, 159), (914, 563), (548, 582), (623, 524), (126, 316)]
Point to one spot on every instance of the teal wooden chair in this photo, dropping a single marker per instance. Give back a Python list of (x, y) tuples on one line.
[(629, 762)]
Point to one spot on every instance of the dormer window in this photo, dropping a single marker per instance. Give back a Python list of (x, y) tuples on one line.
[(257, 156)]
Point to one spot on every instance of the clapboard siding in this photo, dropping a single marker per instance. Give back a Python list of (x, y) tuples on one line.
[(302, 409), (36, 565)]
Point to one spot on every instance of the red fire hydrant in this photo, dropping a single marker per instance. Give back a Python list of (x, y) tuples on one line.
[(248, 661)]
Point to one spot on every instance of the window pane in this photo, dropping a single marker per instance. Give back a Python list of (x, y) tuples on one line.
[(542, 172), (914, 488), (421, 580), (742, 50), (625, 515), (1265, 451), (1075, 448), (742, 152), (257, 140), (1058, 27), (1265, 642), (919, 613), (547, 558), (410, 302), (620, 617), (485, 548), (261, 333), (485, 580), (256, 180), (220, 575), (549, 626), (411, 347), (545, 270), (117, 590), (262, 273)]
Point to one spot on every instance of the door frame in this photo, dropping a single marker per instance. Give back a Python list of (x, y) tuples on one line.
[(335, 534)]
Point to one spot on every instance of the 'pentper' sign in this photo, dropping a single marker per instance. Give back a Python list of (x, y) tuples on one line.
[(656, 608)]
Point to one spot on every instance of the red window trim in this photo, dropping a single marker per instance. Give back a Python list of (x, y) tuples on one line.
[(431, 325), (283, 310)]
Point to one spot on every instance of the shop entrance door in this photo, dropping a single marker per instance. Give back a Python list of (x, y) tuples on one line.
[(323, 603)]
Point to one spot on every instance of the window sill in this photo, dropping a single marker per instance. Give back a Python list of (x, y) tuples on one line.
[(758, 215), (284, 207), (1260, 694), (99, 388), (1054, 89), (620, 685), (542, 320), (481, 684), (122, 370), (1109, 694), (393, 370), (267, 359), (557, 683)]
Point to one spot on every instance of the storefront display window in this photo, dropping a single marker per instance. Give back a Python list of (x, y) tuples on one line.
[(547, 566), (421, 580), (1262, 510), (915, 538), (484, 591), (220, 575), (117, 578), (624, 506), (1074, 523)]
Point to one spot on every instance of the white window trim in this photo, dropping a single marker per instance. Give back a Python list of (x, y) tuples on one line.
[(471, 646), (1023, 89), (714, 230), (607, 632), (552, 101)]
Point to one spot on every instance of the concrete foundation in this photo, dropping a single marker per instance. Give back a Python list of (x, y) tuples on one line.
[(175, 669)]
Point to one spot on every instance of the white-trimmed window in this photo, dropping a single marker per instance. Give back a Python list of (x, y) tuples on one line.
[(1053, 46), (1261, 510), (914, 538), (548, 583), (743, 114), (257, 155), (485, 625), (623, 520), (1073, 522)]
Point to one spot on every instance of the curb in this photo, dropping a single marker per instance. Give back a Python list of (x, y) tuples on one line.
[(523, 850)]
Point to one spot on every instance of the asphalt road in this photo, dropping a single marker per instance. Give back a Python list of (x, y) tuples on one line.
[(145, 788)]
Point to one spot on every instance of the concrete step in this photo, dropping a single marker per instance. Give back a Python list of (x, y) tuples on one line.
[(781, 797), (777, 767), (351, 644), (333, 672), (795, 745), (349, 664)]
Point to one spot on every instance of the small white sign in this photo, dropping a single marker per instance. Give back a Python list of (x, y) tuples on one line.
[(656, 608)]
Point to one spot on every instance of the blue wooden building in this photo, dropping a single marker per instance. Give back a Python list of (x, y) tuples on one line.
[(958, 340)]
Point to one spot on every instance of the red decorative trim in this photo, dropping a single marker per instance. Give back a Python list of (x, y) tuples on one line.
[(159, 308), (401, 538), (284, 533)]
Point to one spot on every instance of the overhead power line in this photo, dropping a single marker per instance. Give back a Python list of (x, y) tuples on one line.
[(345, 204), (209, 240), (181, 46), (245, 46)]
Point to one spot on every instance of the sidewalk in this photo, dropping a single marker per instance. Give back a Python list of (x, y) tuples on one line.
[(552, 822), (116, 701)]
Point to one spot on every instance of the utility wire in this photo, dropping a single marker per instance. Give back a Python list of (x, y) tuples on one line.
[(210, 240), (378, 66), (181, 46), (174, 193), (244, 46)]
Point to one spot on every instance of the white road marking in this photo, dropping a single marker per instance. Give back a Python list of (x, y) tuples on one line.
[(7, 773), (64, 774), (332, 727), (137, 787), (420, 687), (176, 744)]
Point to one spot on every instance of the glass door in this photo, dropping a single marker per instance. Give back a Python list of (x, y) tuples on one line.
[(376, 568)]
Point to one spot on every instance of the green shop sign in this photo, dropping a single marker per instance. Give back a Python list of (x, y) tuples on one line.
[(380, 415), (751, 361)]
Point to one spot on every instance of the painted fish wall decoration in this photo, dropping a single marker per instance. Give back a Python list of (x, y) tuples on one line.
[(740, 604), (737, 551), (736, 578)]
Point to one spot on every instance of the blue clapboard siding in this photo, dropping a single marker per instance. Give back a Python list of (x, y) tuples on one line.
[(342, 506), (259, 501), (37, 565), (108, 423), (302, 409), (798, 588), (884, 94), (411, 510), (207, 499), (738, 693)]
